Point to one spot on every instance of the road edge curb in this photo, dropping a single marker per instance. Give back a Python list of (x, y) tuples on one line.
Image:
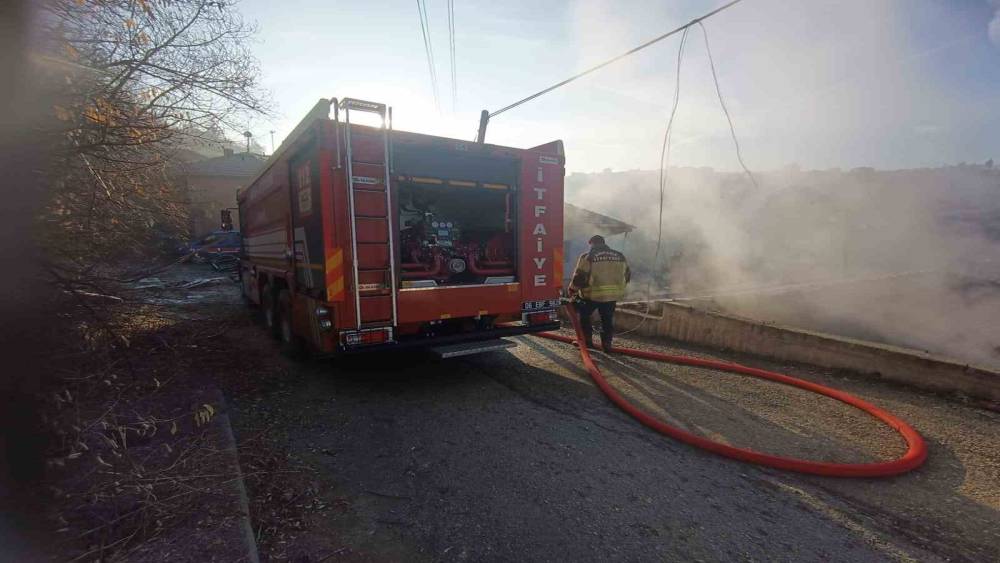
[(229, 446)]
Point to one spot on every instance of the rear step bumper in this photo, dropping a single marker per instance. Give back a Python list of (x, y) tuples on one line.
[(469, 348), (432, 342)]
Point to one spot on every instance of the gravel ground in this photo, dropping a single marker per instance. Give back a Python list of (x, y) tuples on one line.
[(516, 455), (950, 507)]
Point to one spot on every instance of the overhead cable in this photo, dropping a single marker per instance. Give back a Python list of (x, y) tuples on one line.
[(665, 149), (722, 102), (451, 49), (664, 174), (615, 59), (428, 50)]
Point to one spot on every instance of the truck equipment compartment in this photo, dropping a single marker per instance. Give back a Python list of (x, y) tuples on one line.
[(456, 234)]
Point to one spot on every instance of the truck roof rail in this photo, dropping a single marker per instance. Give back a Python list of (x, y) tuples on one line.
[(363, 105)]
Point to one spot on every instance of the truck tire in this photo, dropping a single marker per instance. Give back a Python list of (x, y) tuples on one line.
[(243, 290), (291, 345), (269, 310)]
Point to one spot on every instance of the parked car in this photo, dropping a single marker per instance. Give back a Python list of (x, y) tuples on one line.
[(218, 242)]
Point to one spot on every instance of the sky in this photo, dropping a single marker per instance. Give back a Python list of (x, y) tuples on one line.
[(822, 84)]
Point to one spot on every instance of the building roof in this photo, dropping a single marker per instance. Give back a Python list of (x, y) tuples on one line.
[(243, 165), (600, 224)]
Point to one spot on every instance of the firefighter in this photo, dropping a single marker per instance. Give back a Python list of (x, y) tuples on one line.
[(599, 282)]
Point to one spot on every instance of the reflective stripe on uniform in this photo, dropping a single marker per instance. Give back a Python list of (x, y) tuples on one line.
[(604, 293)]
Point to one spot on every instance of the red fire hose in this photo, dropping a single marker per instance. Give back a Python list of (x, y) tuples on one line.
[(914, 457)]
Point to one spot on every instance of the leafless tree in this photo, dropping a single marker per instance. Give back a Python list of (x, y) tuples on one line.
[(127, 86), (138, 80)]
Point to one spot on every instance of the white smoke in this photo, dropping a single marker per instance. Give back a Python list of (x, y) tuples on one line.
[(906, 257), (830, 84), (994, 27)]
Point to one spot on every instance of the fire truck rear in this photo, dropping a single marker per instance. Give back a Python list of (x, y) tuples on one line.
[(362, 238)]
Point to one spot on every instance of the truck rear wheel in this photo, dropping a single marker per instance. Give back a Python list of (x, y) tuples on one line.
[(291, 345), (244, 289), (269, 308)]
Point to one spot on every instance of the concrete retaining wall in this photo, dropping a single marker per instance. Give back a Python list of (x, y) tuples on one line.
[(687, 324)]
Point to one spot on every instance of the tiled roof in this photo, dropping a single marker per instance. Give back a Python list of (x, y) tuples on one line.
[(607, 225)]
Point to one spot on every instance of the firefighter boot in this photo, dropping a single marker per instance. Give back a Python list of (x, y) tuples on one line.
[(588, 338), (606, 342)]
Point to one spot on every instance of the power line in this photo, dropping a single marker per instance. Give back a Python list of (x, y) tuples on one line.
[(615, 59), (722, 102), (451, 49), (425, 30), (665, 153), (665, 150), (428, 50), (664, 174)]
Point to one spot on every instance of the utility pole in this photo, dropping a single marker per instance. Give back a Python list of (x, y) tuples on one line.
[(272, 141)]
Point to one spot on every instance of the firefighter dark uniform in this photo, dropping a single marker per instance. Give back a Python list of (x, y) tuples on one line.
[(599, 279)]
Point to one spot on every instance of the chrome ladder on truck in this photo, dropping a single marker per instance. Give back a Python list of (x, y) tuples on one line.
[(371, 211)]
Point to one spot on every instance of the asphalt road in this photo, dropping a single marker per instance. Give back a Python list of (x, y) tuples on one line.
[(515, 455)]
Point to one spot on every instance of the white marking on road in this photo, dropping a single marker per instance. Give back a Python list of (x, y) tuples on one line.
[(871, 538)]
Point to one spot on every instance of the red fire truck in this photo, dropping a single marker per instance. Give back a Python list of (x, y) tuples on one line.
[(362, 238)]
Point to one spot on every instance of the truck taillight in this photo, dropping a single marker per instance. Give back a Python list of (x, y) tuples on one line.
[(541, 317), (353, 338), (540, 312), (323, 318)]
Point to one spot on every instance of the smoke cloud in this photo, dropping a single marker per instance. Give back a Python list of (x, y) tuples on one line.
[(994, 25), (906, 257), (908, 254)]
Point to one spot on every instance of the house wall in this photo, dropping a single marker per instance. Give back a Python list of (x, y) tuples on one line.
[(207, 196), (682, 323)]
